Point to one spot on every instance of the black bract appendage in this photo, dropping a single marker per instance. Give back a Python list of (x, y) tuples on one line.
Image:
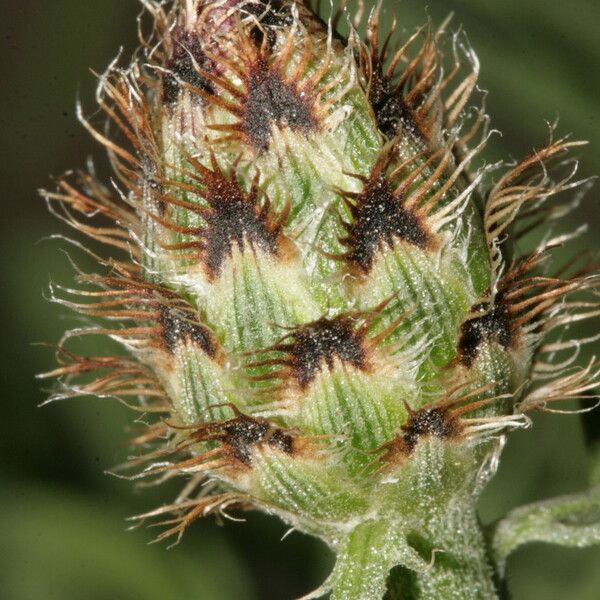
[(379, 218), (233, 219), (436, 421), (272, 101), (492, 325), (390, 110), (181, 67), (322, 342), (270, 14), (178, 327), (243, 433)]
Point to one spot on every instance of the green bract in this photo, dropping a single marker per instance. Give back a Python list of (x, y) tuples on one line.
[(314, 277)]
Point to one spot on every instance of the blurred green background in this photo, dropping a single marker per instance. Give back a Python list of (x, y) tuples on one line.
[(62, 520)]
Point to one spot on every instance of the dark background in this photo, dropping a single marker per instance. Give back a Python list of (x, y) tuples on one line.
[(62, 520)]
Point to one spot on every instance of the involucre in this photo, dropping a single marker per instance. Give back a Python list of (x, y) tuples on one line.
[(317, 284)]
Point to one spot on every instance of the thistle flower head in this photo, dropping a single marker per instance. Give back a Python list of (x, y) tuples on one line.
[(312, 277)]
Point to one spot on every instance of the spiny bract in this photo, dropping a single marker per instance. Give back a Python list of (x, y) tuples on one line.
[(318, 293)]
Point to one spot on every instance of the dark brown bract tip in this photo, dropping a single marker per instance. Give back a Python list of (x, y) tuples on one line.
[(232, 217), (178, 327), (317, 344), (435, 421), (269, 15), (272, 101), (152, 315), (314, 346), (184, 66), (267, 74), (242, 434), (392, 112), (380, 217), (402, 100), (519, 307), (410, 90), (492, 325)]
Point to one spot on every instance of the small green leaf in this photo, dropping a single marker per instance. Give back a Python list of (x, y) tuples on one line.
[(566, 520)]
